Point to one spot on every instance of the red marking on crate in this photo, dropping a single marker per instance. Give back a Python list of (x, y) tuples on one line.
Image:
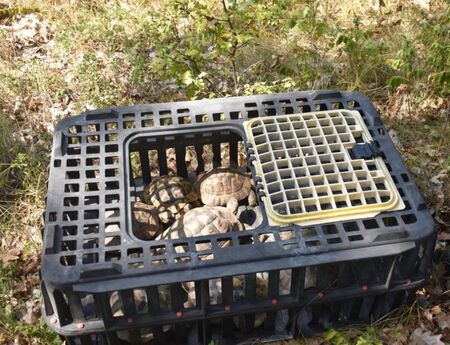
[(227, 308), (179, 314), (320, 295), (274, 301), (130, 319), (364, 288), (80, 325)]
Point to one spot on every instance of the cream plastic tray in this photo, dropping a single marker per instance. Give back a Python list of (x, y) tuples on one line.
[(308, 174)]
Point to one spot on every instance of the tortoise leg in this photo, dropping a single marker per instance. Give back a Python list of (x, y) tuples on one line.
[(232, 205), (186, 208), (166, 216), (252, 199), (196, 203)]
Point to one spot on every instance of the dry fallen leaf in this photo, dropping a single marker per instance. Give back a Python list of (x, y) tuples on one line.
[(443, 320), (444, 236), (428, 315), (394, 336), (436, 310), (32, 314), (180, 96), (416, 171), (30, 31), (431, 152), (394, 136), (422, 337), (31, 265), (11, 255), (171, 160), (438, 179), (440, 271), (442, 216)]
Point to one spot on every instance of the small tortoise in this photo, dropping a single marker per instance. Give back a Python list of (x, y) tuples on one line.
[(215, 295), (142, 303), (172, 195), (146, 224), (226, 187), (239, 293), (202, 221)]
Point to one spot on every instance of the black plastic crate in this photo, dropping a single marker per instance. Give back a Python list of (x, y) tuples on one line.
[(355, 270)]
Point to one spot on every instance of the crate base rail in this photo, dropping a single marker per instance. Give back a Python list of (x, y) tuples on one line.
[(308, 299)]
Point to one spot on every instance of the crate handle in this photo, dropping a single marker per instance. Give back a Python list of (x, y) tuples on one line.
[(101, 114), (103, 270)]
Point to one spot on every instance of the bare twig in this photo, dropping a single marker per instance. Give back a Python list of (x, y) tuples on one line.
[(444, 128), (234, 46)]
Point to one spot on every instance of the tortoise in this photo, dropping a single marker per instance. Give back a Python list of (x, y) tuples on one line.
[(146, 224), (202, 221), (215, 295), (262, 287), (142, 306), (172, 195), (226, 187)]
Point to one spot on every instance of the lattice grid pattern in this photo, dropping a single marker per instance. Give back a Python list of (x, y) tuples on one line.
[(308, 172)]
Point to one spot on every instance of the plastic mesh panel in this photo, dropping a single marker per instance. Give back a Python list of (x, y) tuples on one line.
[(309, 172)]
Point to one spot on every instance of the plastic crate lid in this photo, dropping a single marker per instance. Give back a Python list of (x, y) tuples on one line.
[(319, 167)]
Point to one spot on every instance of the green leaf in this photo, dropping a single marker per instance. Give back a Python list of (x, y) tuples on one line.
[(291, 22), (395, 63), (320, 29), (341, 39), (226, 46), (335, 337), (187, 78), (306, 11), (395, 81), (441, 78)]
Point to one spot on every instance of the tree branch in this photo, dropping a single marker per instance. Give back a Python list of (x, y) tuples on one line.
[(234, 46)]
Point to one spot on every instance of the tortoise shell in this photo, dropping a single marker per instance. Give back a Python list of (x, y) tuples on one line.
[(168, 191), (142, 306), (219, 185), (215, 295), (202, 221), (146, 224)]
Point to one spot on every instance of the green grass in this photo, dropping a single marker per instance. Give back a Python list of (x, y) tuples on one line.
[(5, 150), (425, 147), (90, 54)]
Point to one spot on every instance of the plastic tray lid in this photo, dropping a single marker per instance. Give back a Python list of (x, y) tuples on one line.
[(319, 167)]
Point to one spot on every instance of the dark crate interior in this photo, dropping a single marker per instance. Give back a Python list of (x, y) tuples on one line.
[(186, 154), (158, 154)]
